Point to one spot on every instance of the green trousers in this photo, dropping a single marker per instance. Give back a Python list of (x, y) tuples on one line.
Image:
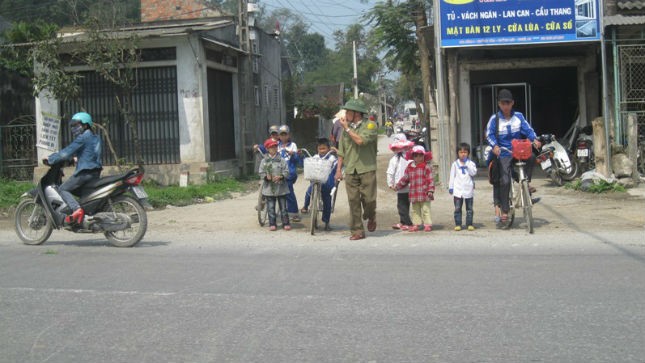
[(361, 195)]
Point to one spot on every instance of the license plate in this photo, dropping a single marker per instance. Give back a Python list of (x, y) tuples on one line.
[(139, 192), (546, 164), (583, 152)]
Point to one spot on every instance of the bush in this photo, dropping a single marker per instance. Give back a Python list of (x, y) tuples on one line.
[(597, 187), (10, 192)]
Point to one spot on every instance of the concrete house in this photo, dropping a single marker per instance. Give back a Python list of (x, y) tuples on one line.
[(188, 95), (549, 54)]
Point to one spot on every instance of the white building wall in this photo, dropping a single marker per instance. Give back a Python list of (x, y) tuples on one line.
[(190, 104)]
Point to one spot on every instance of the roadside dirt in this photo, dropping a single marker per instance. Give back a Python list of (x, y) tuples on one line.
[(560, 209)]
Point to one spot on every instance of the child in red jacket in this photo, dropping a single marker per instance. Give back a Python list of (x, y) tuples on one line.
[(419, 175)]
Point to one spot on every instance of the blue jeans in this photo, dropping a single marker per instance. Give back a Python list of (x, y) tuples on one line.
[(282, 205), (459, 202), (292, 202), (74, 183)]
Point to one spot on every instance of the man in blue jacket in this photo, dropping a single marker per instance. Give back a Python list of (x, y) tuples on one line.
[(504, 126), (87, 149)]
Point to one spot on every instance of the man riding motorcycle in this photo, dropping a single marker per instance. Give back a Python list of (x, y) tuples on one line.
[(86, 147)]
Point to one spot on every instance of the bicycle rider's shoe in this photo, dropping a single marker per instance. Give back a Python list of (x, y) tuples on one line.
[(535, 200), (304, 211)]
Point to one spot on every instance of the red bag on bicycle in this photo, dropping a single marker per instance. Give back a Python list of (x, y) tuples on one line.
[(522, 149)]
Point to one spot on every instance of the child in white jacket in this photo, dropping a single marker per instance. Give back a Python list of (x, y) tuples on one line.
[(462, 185), (395, 170)]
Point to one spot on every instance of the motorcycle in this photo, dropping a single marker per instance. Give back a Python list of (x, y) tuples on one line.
[(417, 136), (584, 149), (389, 129), (555, 160), (114, 205)]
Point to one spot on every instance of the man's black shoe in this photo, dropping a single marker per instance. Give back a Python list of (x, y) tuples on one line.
[(535, 200)]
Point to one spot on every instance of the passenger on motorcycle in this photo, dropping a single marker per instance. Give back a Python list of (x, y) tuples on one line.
[(504, 126), (86, 147)]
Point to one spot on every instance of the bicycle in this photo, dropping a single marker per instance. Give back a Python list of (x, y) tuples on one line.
[(261, 206), (317, 171), (519, 195)]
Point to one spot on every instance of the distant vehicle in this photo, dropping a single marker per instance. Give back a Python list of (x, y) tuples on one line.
[(411, 116)]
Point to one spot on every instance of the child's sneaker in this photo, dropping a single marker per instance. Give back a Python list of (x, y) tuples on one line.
[(404, 227), (287, 227), (457, 228), (427, 228), (413, 229), (471, 228), (272, 228)]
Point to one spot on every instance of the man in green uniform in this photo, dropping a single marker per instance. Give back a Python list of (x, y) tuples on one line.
[(357, 153)]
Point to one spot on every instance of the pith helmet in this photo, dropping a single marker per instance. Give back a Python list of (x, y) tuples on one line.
[(355, 105)]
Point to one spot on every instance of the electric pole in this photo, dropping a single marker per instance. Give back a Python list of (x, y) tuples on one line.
[(246, 81)]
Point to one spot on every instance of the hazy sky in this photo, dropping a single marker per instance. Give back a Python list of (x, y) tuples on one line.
[(323, 16)]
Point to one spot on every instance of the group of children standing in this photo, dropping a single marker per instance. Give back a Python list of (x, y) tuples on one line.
[(410, 174)]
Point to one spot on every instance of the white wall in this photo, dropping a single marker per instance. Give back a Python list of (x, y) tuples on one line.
[(190, 73)]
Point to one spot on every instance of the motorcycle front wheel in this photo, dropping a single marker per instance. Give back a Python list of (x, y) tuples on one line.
[(573, 173), (139, 221), (32, 225)]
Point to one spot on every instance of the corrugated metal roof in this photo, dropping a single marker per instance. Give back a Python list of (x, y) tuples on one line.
[(624, 20), (630, 5), (157, 30)]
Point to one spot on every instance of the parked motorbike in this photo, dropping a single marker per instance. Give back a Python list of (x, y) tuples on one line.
[(584, 149), (417, 136), (556, 161), (114, 205)]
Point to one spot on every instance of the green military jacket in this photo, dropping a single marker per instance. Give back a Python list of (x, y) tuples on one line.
[(359, 158)]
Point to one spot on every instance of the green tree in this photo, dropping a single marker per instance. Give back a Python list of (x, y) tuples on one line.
[(19, 40)]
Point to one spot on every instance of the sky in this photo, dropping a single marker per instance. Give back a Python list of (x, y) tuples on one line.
[(323, 16)]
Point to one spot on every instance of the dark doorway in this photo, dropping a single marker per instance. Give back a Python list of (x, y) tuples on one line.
[(220, 115)]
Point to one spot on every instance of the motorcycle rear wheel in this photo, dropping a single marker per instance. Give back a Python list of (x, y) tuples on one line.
[(31, 223), (130, 236)]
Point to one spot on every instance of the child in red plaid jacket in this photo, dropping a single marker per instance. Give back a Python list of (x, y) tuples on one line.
[(419, 175)]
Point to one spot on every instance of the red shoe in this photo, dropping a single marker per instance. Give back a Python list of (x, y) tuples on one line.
[(76, 217)]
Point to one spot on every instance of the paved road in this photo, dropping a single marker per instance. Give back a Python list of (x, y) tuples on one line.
[(574, 297)]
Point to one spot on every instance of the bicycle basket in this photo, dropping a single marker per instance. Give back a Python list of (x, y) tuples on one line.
[(521, 149), (317, 169)]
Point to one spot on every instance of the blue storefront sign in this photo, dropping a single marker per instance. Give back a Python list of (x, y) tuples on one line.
[(468, 23)]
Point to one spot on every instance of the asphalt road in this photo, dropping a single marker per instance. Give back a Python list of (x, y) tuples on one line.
[(572, 297)]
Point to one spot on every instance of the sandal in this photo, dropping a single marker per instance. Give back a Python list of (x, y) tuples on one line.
[(304, 211)]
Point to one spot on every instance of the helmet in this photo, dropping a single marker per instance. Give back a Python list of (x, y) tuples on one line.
[(84, 118), (284, 129), (355, 105), (273, 128)]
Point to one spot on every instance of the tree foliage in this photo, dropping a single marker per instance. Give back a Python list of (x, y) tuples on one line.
[(67, 12)]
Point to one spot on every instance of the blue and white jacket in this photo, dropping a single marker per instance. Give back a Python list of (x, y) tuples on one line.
[(514, 128)]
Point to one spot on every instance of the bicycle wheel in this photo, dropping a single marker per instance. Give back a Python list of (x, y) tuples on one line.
[(527, 206), (511, 210), (261, 207), (315, 196)]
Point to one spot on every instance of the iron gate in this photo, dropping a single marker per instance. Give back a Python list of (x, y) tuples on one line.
[(632, 90), (18, 155)]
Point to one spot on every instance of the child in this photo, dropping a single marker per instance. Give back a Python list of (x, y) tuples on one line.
[(273, 171), (288, 150), (395, 170), (462, 185), (273, 134), (419, 175), (325, 189)]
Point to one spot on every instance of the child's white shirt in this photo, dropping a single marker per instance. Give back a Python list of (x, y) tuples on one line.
[(395, 171), (462, 184)]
